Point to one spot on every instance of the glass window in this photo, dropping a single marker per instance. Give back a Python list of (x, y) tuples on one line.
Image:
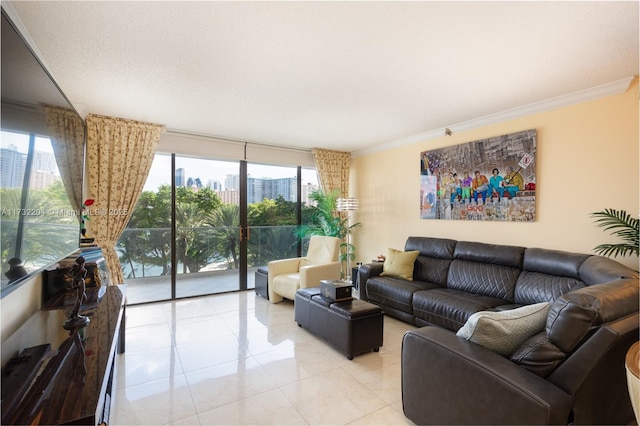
[(207, 228), (38, 226)]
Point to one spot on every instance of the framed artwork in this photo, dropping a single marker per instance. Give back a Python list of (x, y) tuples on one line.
[(488, 179)]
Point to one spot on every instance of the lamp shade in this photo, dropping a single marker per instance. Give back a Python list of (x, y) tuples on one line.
[(347, 204)]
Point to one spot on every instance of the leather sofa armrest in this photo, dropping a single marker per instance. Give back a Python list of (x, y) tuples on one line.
[(365, 272), (448, 380)]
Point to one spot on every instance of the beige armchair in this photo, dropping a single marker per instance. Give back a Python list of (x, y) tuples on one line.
[(286, 276)]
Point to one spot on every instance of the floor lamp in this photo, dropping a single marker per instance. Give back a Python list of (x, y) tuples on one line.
[(348, 205)]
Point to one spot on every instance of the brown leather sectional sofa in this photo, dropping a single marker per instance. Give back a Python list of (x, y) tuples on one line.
[(570, 373)]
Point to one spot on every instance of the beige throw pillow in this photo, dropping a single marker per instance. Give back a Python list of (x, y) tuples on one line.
[(503, 332), (399, 264)]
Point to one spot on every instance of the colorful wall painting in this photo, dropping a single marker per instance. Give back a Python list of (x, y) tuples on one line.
[(490, 179)]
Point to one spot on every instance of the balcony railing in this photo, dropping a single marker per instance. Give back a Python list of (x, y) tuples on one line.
[(207, 259)]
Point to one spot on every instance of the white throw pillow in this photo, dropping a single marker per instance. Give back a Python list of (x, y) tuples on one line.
[(503, 332)]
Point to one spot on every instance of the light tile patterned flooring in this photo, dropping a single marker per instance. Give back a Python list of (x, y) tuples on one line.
[(236, 359)]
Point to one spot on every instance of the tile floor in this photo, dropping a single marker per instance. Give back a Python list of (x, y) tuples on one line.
[(236, 359)]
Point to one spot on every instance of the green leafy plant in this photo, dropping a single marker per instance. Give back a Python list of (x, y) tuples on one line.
[(325, 220), (621, 224)]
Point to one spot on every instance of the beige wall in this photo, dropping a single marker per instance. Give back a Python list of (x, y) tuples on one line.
[(587, 160)]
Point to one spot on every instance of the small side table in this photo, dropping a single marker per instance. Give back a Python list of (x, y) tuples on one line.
[(354, 276)]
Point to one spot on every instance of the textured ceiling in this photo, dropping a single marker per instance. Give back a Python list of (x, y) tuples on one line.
[(339, 75)]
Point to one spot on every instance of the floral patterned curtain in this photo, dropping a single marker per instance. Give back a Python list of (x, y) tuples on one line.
[(333, 170), (119, 156), (66, 131)]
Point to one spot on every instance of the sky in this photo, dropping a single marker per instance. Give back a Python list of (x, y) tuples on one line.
[(21, 141), (206, 170)]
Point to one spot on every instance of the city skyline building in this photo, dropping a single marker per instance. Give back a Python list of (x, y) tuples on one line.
[(180, 178), (13, 164), (258, 189), (44, 169), (229, 196)]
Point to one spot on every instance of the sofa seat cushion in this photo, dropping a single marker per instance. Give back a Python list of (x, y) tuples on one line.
[(395, 292), (451, 308)]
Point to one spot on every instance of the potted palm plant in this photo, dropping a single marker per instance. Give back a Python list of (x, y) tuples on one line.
[(325, 220), (621, 224)]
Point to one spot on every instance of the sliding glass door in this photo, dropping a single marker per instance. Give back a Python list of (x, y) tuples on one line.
[(272, 214), (207, 226), (208, 231)]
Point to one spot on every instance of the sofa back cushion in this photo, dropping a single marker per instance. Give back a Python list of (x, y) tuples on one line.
[(575, 315), (547, 275), (599, 269), (432, 264), (485, 269)]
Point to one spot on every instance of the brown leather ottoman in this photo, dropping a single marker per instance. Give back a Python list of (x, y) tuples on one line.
[(302, 304), (355, 327), (319, 315), (352, 327)]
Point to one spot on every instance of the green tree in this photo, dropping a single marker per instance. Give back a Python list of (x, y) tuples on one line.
[(147, 238), (206, 229), (225, 222), (271, 238), (191, 245), (272, 212), (205, 199), (50, 227), (153, 209)]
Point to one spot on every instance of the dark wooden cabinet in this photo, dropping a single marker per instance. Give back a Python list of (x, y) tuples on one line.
[(76, 377)]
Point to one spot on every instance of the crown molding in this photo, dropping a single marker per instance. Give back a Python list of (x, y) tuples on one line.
[(608, 89)]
